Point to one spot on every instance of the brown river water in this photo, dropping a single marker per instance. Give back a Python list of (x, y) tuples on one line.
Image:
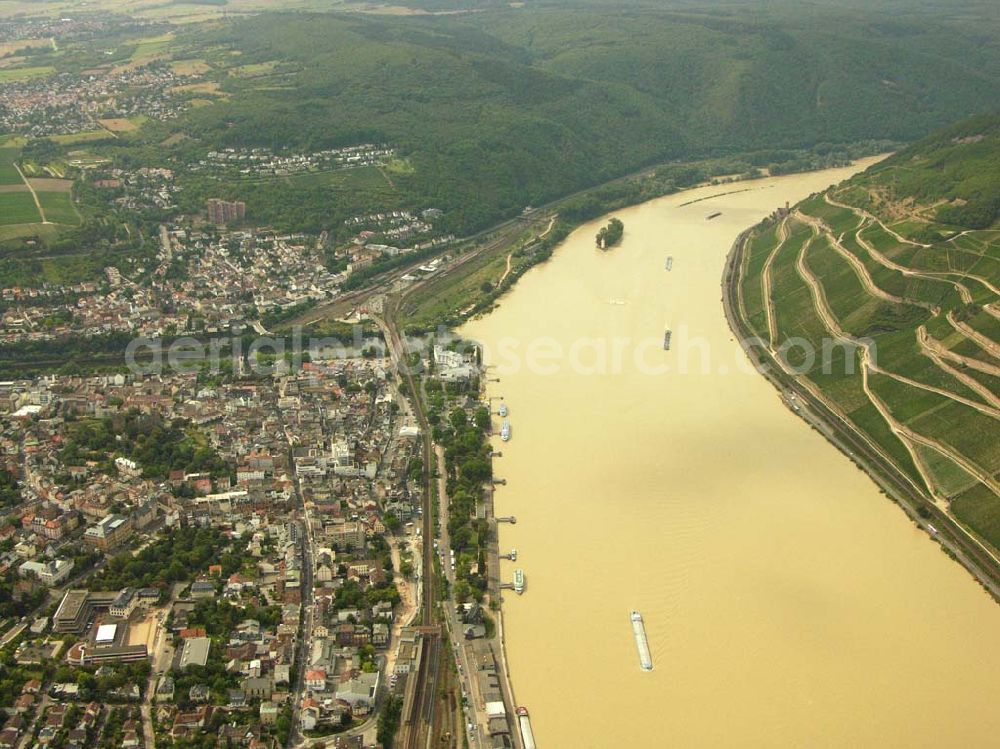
[(786, 601)]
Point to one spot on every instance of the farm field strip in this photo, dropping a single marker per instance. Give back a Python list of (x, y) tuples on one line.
[(930, 400), (908, 436), (765, 282), (873, 221)]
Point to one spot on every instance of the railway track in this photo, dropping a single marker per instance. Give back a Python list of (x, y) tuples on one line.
[(419, 721), (384, 283)]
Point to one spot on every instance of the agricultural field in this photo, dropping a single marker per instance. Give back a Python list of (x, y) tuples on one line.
[(204, 87), (151, 48), (254, 70), (153, 10), (18, 208), (48, 184), (10, 75), (8, 173), (84, 137), (45, 232), (58, 207), (16, 45), (190, 67), (901, 261), (120, 125)]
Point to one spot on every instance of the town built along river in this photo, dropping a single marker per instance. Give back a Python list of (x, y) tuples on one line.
[(787, 602)]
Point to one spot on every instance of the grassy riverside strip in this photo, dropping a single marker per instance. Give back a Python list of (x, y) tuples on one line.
[(437, 304)]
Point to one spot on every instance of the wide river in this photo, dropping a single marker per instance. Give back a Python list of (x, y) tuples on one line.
[(787, 602)]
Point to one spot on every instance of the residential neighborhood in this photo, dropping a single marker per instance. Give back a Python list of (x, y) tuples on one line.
[(263, 162), (202, 278), (259, 582), (213, 533), (67, 103)]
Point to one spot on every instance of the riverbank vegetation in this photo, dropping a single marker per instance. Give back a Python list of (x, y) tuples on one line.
[(611, 234), (463, 433)]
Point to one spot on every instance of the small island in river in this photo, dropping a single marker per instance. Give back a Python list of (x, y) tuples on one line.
[(611, 234)]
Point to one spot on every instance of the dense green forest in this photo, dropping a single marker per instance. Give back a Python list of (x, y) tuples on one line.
[(496, 110), (956, 170), (512, 106)]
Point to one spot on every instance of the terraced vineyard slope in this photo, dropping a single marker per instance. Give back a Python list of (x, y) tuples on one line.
[(880, 298)]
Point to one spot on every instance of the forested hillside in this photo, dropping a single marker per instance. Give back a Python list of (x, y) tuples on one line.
[(951, 180), (502, 108), (900, 267)]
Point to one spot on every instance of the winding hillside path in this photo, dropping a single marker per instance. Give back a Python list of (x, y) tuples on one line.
[(765, 284), (870, 220), (820, 227), (931, 344), (992, 410), (907, 436), (936, 354), (822, 308), (507, 270), (986, 344), (917, 445)]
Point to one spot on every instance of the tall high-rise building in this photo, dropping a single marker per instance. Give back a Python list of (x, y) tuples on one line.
[(223, 212)]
